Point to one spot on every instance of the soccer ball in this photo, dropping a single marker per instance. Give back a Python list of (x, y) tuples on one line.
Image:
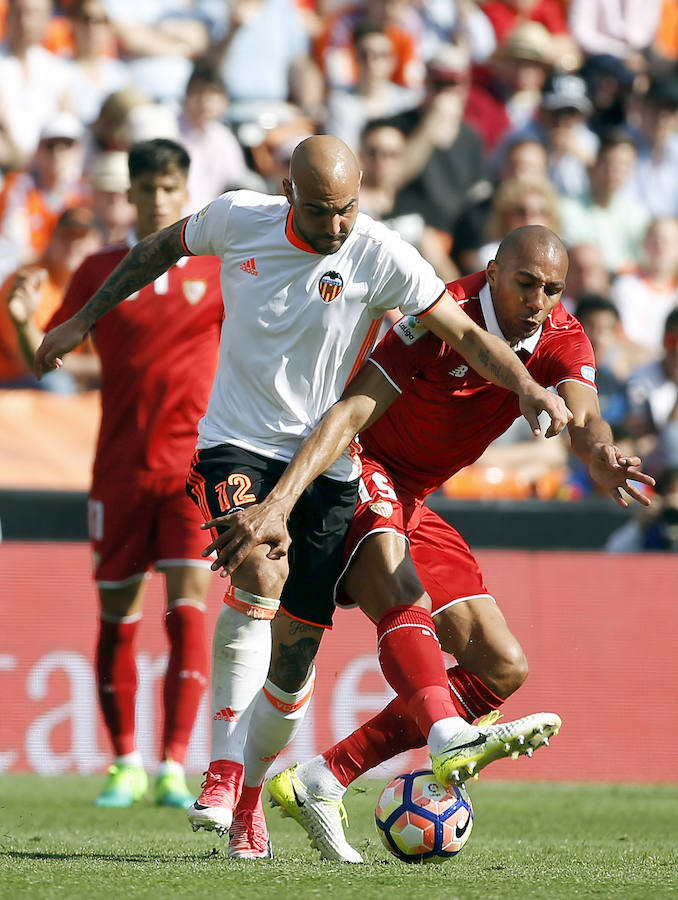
[(420, 821)]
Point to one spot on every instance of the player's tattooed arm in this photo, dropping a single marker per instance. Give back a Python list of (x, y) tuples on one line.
[(148, 259), (493, 359), (144, 263)]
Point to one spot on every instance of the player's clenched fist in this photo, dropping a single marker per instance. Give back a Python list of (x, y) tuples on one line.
[(57, 343)]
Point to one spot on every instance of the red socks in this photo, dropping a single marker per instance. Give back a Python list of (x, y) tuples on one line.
[(184, 682), (186, 677), (117, 681), (390, 732), (470, 695), (412, 662), (393, 731)]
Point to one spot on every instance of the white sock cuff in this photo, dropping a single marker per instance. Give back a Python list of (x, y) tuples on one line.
[(123, 620), (186, 601), (251, 605), (286, 702)]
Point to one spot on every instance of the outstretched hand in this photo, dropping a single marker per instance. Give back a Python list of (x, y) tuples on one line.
[(536, 400), (242, 530), (56, 344), (614, 473)]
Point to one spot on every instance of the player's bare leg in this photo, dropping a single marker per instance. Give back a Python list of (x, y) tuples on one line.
[(240, 659), (120, 615), (186, 677)]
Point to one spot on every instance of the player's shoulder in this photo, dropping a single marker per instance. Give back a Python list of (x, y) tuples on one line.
[(467, 288), (370, 231), (243, 203)]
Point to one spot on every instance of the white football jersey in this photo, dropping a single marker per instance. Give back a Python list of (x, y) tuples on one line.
[(298, 324)]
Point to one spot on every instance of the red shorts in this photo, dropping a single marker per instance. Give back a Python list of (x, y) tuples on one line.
[(140, 524), (445, 565)]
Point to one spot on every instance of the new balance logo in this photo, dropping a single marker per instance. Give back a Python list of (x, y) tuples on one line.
[(249, 266), (225, 715), (459, 372)]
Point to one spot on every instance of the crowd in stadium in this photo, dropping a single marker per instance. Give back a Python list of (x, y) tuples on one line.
[(469, 119)]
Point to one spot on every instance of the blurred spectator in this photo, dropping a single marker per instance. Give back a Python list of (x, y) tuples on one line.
[(665, 46), (655, 178), (96, 72), (445, 167), (31, 201), (461, 22), (263, 59), (109, 131), (617, 29), (653, 398), (382, 155), (518, 202), (506, 15), (561, 126), (611, 86), (217, 159), (109, 182), (507, 92), (374, 95), (607, 216), (645, 296), (523, 157), (75, 237), (616, 356), (33, 81), (653, 528), (157, 39), (334, 51), (148, 121), (587, 274)]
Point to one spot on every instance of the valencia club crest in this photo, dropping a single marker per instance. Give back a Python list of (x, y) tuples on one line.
[(330, 286)]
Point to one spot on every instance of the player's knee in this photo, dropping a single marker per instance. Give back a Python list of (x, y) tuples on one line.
[(512, 669), (263, 576)]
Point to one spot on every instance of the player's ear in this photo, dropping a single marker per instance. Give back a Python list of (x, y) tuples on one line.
[(287, 188), (491, 271)]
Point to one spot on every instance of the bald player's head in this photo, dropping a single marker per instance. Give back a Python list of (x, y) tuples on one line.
[(323, 192), (530, 239), (527, 279)]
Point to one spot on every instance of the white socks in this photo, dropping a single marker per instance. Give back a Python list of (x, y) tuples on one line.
[(241, 653), (445, 730), (275, 719), (320, 780)]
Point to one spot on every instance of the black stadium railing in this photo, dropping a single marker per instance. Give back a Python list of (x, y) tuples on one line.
[(525, 524)]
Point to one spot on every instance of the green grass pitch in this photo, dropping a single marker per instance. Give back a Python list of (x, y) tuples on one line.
[(529, 840)]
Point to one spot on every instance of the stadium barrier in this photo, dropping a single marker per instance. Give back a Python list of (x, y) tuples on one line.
[(599, 632)]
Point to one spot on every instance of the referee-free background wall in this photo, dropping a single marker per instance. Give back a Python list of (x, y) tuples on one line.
[(599, 632)]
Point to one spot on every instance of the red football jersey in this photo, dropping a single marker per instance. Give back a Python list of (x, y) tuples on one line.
[(158, 351), (447, 414)]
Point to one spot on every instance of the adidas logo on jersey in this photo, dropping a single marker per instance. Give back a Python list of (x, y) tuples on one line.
[(249, 266), (459, 372), (225, 715)]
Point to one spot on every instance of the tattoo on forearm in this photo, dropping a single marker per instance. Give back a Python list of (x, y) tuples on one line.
[(498, 371), (144, 263)]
